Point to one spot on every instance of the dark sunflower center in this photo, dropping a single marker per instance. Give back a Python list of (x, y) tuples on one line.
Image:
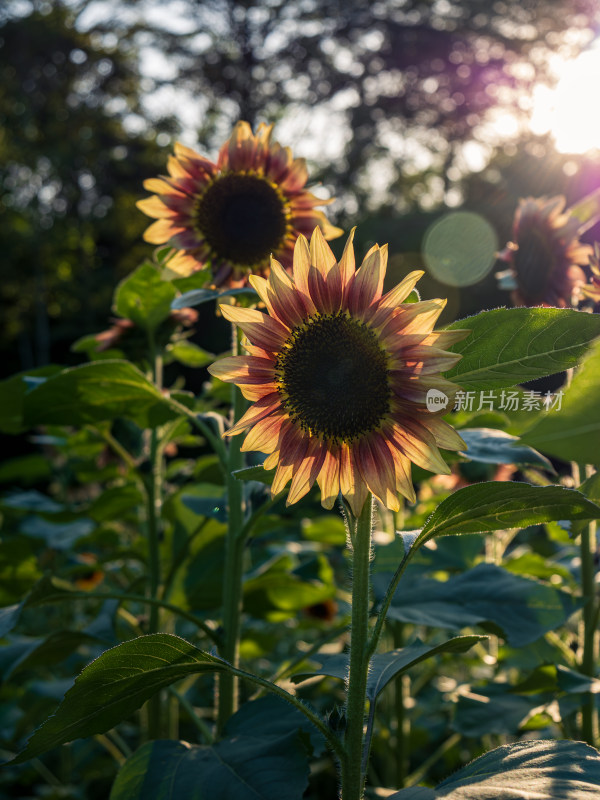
[(333, 377), (534, 262), (242, 218)]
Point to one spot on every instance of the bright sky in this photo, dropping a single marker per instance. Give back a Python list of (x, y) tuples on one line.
[(571, 111)]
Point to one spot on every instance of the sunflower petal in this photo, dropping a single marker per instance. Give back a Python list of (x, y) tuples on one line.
[(377, 467), (262, 330), (321, 256), (161, 231), (264, 435), (329, 476), (243, 369), (307, 471), (259, 410)]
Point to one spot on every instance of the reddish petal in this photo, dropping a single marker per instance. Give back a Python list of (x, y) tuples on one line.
[(400, 292), (161, 231), (418, 445), (264, 436), (263, 331), (244, 369), (347, 262), (377, 467), (306, 473), (352, 485), (154, 207), (300, 273), (259, 410), (329, 476), (321, 256), (296, 177), (366, 286)]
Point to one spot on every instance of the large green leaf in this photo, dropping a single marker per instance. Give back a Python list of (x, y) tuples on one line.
[(196, 297), (510, 346), (248, 767), (144, 297), (384, 667), (572, 432), (116, 684), (491, 709), (491, 446), (539, 770), (272, 716), (12, 395), (520, 608), (95, 393), (504, 504), (190, 354)]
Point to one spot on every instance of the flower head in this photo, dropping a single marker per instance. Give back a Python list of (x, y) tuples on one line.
[(232, 216), (338, 374), (592, 289), (545, 254)]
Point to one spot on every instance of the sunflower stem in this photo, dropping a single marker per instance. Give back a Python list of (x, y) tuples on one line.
[(235, 542), (154, 508), (589, 716), (353, 774)]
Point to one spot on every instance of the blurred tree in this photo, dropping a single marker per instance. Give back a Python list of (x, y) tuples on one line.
[(74, 151), (394, 83)]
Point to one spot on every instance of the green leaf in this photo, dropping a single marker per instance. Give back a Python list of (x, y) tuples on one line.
[(189, 354), (491, 710), (26, 651), (520, 608), (255, 474), (12, 395), (57, 535), (504, 504), (31, 501), (542, 769), (572, 432), (144, 297), (492, 446), (97, 392), (272, 716), (215, 507), (384, 667), (116, 684), (9, 616), (199, 296), (250, 767), (511, 346)]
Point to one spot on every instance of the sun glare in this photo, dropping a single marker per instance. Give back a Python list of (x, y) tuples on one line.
[(570, 112)]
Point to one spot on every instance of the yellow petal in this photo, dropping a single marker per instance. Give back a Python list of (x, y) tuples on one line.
[(320, 253)]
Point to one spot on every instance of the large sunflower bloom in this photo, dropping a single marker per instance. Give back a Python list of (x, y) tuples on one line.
[(339, 374), (233, 215), (545, 257)]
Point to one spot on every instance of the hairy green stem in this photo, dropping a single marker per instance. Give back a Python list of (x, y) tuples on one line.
[(235, 542), (589, 717), (153, 513), (589, 653), (352, 772)]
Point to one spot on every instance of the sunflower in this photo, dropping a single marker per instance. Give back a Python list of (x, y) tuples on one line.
[(592, 288), (545, 255), (233, 215), (339, 374)]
